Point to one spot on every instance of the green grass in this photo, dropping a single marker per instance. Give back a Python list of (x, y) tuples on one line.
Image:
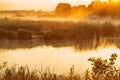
[(101, 70)]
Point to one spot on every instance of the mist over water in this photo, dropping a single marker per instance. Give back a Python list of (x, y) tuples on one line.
[(97, 20), (65, 42), (58, 59), (58, 56)]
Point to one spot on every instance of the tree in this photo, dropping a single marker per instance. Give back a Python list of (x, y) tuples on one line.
[(63, 9)]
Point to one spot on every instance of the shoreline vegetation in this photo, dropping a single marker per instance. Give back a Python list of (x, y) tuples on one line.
[(96, 9), (102, 69), (89, 32), (81, 34), (16, 31)]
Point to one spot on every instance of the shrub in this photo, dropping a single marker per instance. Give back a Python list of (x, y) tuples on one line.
[(104, 69)]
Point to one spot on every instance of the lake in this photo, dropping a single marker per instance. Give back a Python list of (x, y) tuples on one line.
[(62, 45), (58, 59)]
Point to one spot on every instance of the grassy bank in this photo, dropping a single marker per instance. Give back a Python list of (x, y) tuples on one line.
[(81, 34), (101, 70), (53, 30)]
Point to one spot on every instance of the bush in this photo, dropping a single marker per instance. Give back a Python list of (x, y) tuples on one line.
[(104, 69)]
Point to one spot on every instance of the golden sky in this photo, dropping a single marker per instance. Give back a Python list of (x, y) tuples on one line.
[(36, 4)]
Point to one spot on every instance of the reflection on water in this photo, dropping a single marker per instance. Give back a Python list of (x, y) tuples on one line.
[(78, 44), (58, 59)]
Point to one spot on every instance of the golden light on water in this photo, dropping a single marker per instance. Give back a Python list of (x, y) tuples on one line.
[(59, 59), (44, 29)]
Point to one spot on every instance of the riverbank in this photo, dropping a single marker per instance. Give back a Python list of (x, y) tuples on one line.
[(81, 34), (102, 69)]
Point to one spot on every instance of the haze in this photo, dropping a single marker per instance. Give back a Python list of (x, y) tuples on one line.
[(46, 5)]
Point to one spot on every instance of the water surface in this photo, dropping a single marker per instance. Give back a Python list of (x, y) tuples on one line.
[(57, 59)]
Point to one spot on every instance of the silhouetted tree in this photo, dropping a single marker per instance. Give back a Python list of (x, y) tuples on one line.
[(79, 11), (63, 9)]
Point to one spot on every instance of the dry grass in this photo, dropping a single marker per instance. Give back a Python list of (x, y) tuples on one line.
[(82, 35), (101, 70), (53, 30)]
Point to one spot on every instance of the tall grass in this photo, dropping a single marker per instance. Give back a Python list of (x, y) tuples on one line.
[(101, 70), (81, 34), (58, 30)]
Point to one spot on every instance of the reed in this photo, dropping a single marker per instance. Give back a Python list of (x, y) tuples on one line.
[(102, 69)]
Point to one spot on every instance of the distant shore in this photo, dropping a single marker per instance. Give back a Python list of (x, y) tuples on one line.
[(84, 33)]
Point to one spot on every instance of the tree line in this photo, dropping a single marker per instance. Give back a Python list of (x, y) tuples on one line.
[(95, 8)]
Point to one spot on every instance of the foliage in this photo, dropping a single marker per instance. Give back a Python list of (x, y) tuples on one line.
[(96, 9), (104, 69), (24, 73), (84, 35), (63, 9)]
